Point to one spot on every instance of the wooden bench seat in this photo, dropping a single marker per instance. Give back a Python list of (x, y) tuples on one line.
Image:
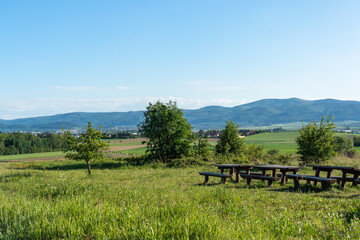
[(255, 173), (325, 182), (222, 176), (339, 179), (357, 181), (270, 179)]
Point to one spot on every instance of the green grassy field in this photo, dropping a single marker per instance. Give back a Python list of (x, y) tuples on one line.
[(284, 141), (136, 151), (31, 156), (57, 200)]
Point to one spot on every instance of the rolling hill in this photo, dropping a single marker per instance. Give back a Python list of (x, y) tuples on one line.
[(267, 112)]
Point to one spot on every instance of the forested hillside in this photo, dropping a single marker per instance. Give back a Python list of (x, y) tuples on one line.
[(265, 112)]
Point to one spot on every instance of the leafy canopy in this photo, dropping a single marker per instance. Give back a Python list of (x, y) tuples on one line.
[(87, 147), (168, 132), (315, 142), (230, 141)]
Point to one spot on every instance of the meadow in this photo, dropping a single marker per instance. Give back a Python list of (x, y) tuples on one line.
[(123, 199), (58, 200)]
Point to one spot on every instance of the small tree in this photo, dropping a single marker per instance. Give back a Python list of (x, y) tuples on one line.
[(168, 132), (315, 142), (202, 147), (229, 140), (356, 141), (88, 147)]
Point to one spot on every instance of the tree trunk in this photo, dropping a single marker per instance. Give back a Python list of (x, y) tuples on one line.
[(88, 166)]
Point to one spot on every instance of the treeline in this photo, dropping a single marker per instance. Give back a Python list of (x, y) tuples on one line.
[(216, 133), (120, 135), (20, 143)]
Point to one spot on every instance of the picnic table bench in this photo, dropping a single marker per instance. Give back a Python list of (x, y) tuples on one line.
[(235, 168), (341, 179), (325, 182), (222, 176), (270, 179), (273, 176)]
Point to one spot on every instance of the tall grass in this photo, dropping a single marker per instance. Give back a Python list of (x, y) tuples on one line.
[(57, 200)]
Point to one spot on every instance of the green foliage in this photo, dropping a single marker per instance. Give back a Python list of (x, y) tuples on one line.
[(88, 147), (356, 141), (315, 142), (202, 147), (273, 152), (254, 153), (24, 143), (344, 146), (230, 141), (168, 132)]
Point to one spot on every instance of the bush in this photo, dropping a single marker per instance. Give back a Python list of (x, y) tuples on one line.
[(315, 142), (356, 141), (273, 152)]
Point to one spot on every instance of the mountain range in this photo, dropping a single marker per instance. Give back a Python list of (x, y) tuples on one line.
[(266, 112)]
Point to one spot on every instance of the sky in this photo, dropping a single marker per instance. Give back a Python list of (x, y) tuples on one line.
[(116, 56)]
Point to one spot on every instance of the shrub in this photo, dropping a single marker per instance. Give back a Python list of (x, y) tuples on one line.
[(315, 142)]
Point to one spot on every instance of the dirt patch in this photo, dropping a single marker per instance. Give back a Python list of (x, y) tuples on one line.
[(127, 141), (122, 148)]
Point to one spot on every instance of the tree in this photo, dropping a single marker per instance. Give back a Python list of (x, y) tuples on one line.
[(168, 132), (315, 142), (202, 147), (230, 141), (87, 147), (356, 141)]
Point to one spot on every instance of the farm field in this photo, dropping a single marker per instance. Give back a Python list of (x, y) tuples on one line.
[(57, 200), (33, 156), (284, 141)]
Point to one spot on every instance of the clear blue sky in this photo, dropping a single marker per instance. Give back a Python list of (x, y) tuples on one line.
[(82, 55)]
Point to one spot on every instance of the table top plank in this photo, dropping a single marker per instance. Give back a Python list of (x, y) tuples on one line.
[(233, 166), (324, 167), (280, 167)]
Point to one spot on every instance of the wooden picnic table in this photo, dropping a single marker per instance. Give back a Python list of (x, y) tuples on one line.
[(344, 170), (234, 168), (283, 170)]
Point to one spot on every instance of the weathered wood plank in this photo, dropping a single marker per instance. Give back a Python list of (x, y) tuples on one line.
[(311, 178), (260, 177), (207, 174)]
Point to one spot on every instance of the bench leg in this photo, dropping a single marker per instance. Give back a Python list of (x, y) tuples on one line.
[(355, 177), (325, 185), (248, 181), (223, 180), (296, 183), (270, 183), (317, 174), (343, 182), (237, 176), (263, 173), (283, 178), (206, 179)]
